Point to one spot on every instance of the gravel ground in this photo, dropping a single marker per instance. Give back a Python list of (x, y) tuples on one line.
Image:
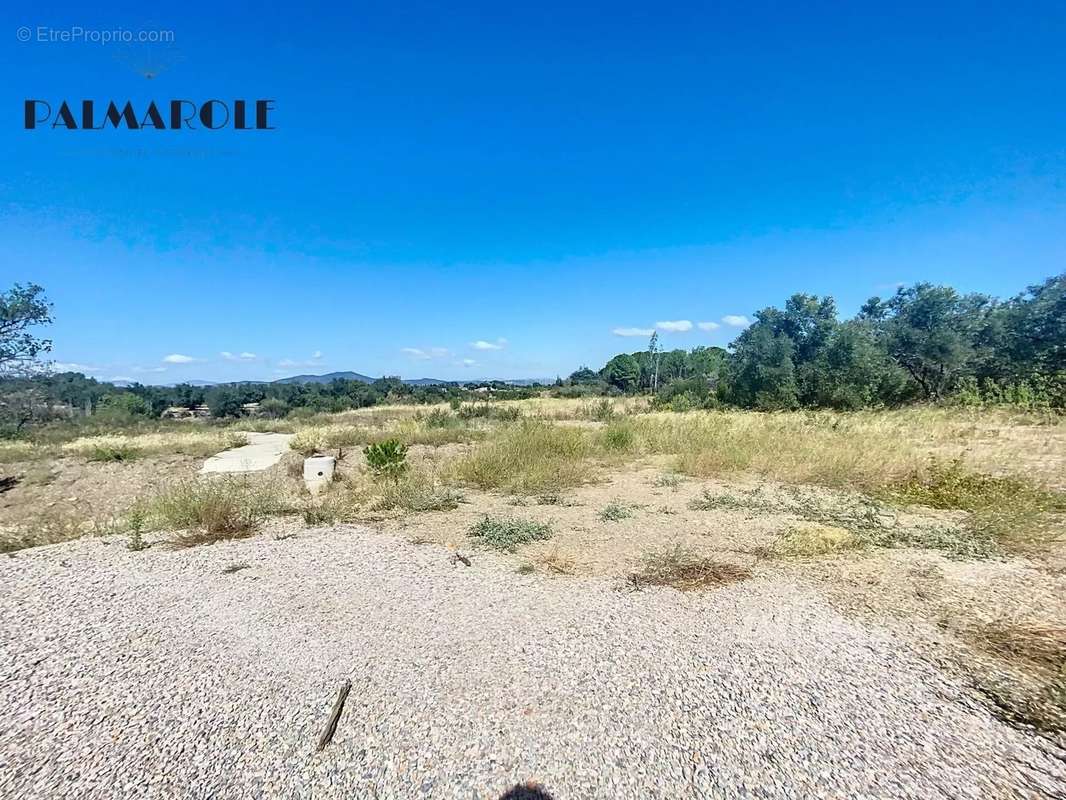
[(155, 674)]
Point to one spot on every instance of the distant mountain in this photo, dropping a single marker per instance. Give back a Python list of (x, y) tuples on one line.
[(329, 376)]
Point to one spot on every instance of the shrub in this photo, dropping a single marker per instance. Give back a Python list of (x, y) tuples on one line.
[(308, 442), (387, 459), (124, 406), (508, 534), (442, 419), (273, 408), (417, 496), (603, 411), (137, 520), (232, 439), (613, 512), (489, 411)]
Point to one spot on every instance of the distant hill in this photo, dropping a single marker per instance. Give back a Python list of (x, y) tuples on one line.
[(329, 376), (355, 376)]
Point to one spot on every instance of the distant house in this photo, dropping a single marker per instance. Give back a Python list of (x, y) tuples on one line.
[(185, 413), (178, 412), (250, 409)]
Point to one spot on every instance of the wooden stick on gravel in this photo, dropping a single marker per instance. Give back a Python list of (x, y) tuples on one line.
[(335, 715)]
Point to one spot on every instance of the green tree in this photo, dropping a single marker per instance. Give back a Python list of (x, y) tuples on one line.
[(22, 308), (126, 404), (762, 373), (931, 332), (623, 372), (583, 375), (852, 371), (224, 401)]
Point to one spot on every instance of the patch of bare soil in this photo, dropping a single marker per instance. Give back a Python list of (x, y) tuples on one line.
[(89, 489)]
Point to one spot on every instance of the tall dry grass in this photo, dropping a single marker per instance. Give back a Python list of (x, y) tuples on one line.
[(529, 456)]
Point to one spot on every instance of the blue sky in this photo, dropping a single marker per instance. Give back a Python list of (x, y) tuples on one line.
[(496, 189)]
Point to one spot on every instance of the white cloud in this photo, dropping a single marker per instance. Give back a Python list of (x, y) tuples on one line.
[(125, 378), (633, 331), (674, 325), (316, 355), (736, 320), (468, 362), (149, 369), (481, 344), (708, 326), (178, 358), (427, 353), (228, 356)]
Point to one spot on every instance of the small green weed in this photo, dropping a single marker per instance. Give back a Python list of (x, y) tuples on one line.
[(508, 534), (615, 511)]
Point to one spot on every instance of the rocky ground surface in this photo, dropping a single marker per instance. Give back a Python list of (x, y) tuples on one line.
[(210, 673)]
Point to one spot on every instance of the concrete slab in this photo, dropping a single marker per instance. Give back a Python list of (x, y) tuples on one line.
[(263, 450)]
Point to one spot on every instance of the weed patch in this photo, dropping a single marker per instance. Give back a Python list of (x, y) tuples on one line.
[(212, 510), (614, 512), (1007, 508), (508, 534), (870, 523), (116, 452), (683, 569)]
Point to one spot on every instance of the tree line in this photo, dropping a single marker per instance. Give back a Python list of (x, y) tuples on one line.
[(924, 343)]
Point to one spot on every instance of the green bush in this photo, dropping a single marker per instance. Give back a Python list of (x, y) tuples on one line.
[(387, 459), (508, 534), (442, 419), (274, 408), (124, 405), (615, 511)]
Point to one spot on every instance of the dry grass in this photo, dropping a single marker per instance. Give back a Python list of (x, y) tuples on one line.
[(1037, 643), (685, 570), (527, 458), (54, 525), (555, 563), (206, 511), (1033, 691), (814, 540), (199, 442)]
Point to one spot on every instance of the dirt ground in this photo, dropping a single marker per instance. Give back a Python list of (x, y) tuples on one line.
[(91, 490)]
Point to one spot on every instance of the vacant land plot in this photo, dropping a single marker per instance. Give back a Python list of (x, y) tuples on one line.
[(543, 578)]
